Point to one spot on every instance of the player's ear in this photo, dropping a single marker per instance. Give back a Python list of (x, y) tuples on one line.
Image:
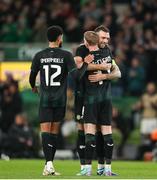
[(60, 38), (87, 45)]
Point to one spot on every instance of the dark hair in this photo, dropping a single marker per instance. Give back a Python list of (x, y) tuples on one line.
[(53, 32), (102, 28)]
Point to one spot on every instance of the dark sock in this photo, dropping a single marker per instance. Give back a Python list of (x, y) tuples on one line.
[(49, 142), (90, 146), (108, 148), (53, 138), (100, 147), (81, 146)]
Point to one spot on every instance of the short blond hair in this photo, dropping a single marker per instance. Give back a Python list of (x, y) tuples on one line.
[(91, 37)]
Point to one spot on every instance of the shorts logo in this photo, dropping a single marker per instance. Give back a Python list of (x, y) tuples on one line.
[(82, 146), (110, 144), (82, 112), (78, 117), (50, 145), (93, 145)]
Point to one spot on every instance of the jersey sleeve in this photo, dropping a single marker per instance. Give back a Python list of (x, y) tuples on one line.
[(81, 51), (113, 62), (35, 64), (70, 62), (35, 67), (76, 73)]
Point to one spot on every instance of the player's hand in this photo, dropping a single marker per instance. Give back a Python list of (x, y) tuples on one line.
[(106, 66), (78, 61), (35, 90), (96, 77), (88, 59)]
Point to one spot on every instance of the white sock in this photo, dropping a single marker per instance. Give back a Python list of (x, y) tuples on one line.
[(49, 165), (82, 166), (107, 167), (89, 167), (100, 166)]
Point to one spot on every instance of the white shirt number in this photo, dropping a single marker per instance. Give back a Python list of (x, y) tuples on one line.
[(50, 80)]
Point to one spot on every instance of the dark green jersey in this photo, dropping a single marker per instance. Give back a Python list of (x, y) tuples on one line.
[(54, 65), (82, 52), (99, 91)]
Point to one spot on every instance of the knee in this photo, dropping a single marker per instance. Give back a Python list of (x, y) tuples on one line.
[(55, 128)]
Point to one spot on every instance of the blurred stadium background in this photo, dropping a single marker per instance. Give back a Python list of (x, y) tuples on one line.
[(133, 29)]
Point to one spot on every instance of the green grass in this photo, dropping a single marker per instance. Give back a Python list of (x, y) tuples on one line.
[(32, 169)]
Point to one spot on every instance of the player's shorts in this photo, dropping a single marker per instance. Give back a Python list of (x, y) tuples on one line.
[(148, 125), (98, 113), (53, 114), (78, 109)]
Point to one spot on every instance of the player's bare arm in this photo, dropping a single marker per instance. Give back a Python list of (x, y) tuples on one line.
[(79, 61), (115, 74), (88, 59), (103, 66)]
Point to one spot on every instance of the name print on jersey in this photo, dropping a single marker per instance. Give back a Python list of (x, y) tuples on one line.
[(107, 59), (50, 60)]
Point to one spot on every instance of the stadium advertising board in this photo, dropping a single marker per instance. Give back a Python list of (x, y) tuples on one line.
[(19, 70)]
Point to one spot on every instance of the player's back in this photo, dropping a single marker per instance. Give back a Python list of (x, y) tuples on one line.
[(96, 92), (82, 51), (53, 64)]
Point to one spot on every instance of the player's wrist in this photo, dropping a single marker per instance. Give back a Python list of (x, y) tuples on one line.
[(35, 89), (100, 67), (86, 63), (106, 77)]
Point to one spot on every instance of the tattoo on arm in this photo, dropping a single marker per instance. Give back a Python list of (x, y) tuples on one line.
[(115, 73)]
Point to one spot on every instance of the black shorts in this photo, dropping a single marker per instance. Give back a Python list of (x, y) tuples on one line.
[(79, 109), (53, 114), (98, 113)]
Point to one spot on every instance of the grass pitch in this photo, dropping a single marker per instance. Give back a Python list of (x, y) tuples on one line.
[(32, 169)]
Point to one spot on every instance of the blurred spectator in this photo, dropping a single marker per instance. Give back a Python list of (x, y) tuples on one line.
[(20, 140), (109, 17), (24, 33), (142, 55), (124, 125), (68, 128), (119, 85), (133, 32), (36, 7), (136, 78), (8, 30), (90, 9), (73, 31), (148, 23), (40, 28), (54, 14), (89, 24), (11, 104), (148, 107)]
